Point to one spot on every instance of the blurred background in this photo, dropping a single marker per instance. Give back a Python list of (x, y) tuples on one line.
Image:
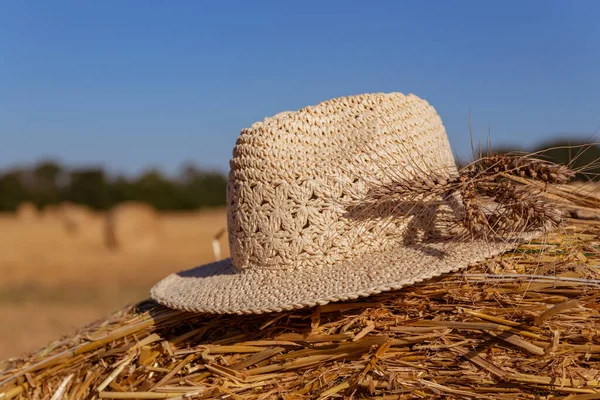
[(117, 120)]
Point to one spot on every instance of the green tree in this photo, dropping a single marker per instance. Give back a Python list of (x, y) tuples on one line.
[(157, 190), (119, 190), (12, 190), (202, 189), (89, 187), (46, 186)]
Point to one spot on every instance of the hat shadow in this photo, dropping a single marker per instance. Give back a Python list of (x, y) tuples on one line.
[(431, 228), (215, 268)]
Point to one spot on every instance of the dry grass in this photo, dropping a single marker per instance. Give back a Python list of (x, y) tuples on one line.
[(524, 325), (53, 282)]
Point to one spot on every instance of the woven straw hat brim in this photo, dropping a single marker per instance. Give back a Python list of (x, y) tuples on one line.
[(220, 288)]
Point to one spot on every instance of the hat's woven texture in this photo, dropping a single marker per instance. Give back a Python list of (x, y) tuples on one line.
[(293, 242)]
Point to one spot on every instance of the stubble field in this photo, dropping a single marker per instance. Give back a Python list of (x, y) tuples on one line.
[(52, 282)]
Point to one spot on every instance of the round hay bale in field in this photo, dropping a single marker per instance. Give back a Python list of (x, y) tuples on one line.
[(50, 212), (132, 227), (27, 211), (75, 216)]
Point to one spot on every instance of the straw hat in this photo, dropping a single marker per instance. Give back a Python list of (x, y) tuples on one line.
[(292, 239)]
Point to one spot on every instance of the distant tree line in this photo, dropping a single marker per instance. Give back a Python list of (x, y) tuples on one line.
[(49, 182)]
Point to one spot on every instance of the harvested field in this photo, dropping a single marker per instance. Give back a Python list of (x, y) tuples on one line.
[(54, 281)]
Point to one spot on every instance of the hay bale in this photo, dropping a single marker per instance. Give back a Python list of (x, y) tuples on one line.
[(75, 217), (27, 211), (522, 325), (133, 227), (51, 212)]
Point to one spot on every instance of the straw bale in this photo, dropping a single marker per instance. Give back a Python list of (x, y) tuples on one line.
[(133, 227), (522, 325), (75, 217), (27, 211), (51, 212)]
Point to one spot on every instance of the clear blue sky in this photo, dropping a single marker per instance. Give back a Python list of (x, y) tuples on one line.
[(134, 84)]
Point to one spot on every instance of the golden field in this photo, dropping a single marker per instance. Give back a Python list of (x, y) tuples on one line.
[(52, 282)]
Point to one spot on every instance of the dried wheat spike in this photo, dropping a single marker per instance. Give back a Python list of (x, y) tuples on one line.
[(491, 204), (526, 206), (518, 208), (474, 220), (526, 167), (400, 189)]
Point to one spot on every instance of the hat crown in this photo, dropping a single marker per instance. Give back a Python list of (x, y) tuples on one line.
[(291, 175)]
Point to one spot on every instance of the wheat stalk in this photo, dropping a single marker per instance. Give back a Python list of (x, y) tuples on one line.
[(490, 204)]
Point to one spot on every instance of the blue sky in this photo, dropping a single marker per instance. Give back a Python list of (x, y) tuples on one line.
[(137, 84)]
